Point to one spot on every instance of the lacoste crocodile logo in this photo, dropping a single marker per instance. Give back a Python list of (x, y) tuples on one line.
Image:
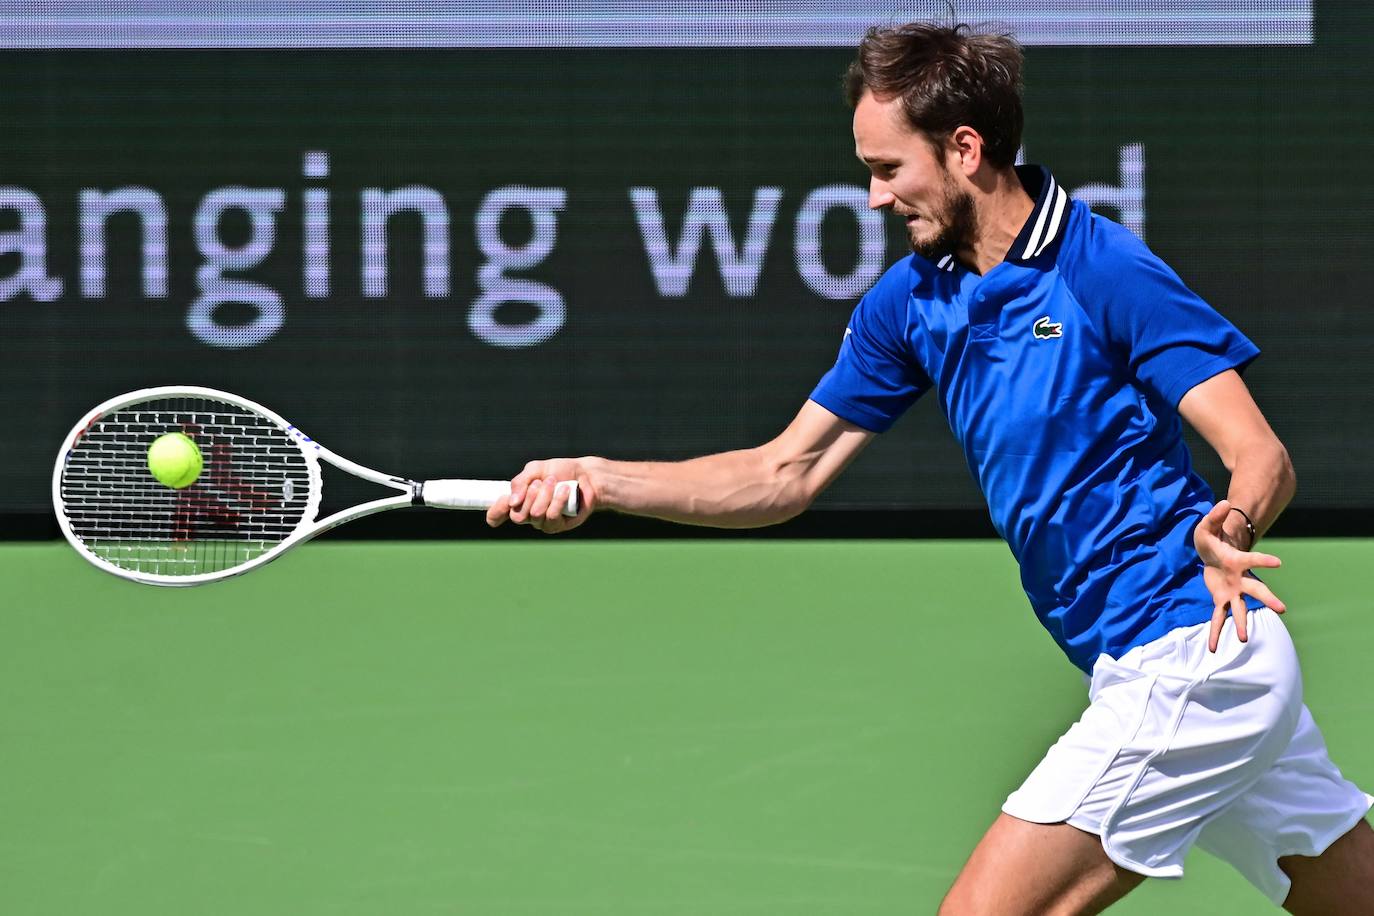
[(1045, 329)]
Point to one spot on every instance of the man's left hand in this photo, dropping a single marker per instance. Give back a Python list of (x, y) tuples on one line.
[(1224, 571)]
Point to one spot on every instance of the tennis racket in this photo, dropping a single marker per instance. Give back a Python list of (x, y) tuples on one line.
[(257, 496)]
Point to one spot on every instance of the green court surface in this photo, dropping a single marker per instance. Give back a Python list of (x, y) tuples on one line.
[(555, 726)]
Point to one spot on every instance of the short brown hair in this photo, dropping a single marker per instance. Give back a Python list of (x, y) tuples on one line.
[(946, 76)]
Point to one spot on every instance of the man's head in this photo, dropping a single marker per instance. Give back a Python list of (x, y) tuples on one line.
[(936, 109)]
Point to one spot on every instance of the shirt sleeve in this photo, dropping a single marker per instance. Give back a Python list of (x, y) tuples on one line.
[(1169, 337), (876, 376)]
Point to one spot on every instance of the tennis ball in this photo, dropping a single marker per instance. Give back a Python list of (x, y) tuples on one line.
[(175, 460)]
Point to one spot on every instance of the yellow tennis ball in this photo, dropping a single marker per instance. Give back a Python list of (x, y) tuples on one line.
[(175, 460)]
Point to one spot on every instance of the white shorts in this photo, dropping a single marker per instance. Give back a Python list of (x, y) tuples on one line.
[(1182, 746)]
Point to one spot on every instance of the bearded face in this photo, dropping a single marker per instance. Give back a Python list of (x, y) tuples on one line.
[(946, 228)]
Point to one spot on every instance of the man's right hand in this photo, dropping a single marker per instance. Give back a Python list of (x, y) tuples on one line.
[(537, 500)]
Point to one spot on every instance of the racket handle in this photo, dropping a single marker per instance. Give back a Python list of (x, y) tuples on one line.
[(483, 494)]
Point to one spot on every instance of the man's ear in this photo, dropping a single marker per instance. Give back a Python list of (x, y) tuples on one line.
[(966, 150)]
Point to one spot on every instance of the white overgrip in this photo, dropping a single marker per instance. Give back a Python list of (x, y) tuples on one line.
[(483, 494)]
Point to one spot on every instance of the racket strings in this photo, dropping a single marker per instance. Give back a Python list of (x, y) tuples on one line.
[(252, 493)]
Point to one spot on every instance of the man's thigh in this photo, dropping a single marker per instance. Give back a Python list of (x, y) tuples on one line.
[(1337, 882), (1037, 870)]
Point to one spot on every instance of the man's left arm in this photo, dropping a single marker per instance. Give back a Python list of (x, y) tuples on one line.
[(1262, 483)]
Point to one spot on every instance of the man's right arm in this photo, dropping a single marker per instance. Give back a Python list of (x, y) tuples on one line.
[(748, 488)]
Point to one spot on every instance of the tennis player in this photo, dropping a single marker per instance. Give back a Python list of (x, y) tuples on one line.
[(1063, 352)]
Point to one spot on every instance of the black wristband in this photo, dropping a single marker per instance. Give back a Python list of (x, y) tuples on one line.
[(1249, 526)]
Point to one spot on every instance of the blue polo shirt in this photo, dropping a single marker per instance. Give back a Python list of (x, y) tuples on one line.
[(1060, 372)]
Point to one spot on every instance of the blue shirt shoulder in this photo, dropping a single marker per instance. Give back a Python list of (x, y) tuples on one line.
[(877, 377), (1169, 338)]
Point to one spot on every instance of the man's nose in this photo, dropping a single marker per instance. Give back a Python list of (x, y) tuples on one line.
[(879, 195)]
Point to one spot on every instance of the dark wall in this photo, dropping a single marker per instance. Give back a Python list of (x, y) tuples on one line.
[(1254, 185)]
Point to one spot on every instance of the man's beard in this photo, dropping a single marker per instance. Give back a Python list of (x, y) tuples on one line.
[(958, 224)]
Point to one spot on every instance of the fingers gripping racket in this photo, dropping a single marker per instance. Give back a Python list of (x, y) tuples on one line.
[(257, 495)]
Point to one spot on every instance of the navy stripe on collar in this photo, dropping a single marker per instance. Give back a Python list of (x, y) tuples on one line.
[(1048, 218)]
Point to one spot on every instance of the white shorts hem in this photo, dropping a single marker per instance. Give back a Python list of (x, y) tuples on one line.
[(1125, 861), (1336, 833)]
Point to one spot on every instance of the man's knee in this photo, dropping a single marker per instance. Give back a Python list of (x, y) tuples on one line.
[(1030, 895), (1035, 870), (963, 898), (952, 906)]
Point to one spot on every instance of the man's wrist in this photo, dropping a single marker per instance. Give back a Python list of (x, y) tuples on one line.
[(601, 480), (1238, 530), (1234, 533), (1248, 525)]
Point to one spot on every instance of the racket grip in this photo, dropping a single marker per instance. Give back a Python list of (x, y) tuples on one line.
[(483, 494)]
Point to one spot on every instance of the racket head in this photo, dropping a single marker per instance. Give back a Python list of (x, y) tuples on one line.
[(257, 494)]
